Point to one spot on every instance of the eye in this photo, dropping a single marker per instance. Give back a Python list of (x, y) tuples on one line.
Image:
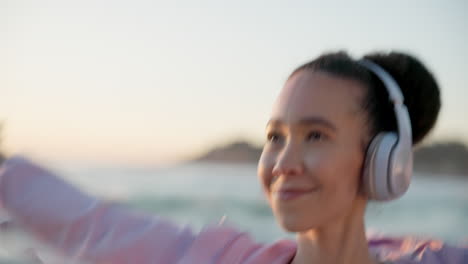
[(274, 137), (315, 136)]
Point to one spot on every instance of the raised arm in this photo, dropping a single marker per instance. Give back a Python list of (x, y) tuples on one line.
[(85, 229), (82, 227)]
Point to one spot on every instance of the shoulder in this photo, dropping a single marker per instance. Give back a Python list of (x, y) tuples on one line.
[(411, 250)]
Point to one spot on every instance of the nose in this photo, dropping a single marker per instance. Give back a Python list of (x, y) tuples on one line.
[(289, 161)]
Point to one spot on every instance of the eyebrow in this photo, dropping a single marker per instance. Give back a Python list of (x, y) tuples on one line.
[(307, 121)]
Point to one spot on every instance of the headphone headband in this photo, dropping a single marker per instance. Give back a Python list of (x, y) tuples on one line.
[(393, 89), (396, 97)]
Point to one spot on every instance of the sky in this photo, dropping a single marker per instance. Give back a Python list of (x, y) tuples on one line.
[(152, 82)]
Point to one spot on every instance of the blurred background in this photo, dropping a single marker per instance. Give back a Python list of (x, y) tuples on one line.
[(162, 105)]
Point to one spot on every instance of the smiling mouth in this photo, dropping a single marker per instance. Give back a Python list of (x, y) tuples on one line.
[(291, 194)]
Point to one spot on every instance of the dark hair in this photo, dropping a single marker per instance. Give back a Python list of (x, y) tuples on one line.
[(418, 86)]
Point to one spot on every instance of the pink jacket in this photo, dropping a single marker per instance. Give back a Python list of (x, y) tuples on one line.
[(93, 231)]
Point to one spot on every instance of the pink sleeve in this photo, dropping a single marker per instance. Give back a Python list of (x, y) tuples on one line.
[(84, 228)]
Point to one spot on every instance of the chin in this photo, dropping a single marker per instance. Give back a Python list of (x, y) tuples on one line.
[(295, 224)]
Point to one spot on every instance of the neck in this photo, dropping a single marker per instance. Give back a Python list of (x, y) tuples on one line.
[(339, 242)]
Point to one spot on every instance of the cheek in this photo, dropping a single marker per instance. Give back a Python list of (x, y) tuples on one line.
[(320, 163), (265, 168), (336, 171)]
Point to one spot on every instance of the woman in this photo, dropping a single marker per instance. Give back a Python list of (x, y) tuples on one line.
[(328, 152)]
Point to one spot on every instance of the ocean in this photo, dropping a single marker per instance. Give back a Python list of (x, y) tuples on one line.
[(197, 194)]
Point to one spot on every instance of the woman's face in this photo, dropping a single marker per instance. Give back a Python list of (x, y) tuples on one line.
[(310, 167)]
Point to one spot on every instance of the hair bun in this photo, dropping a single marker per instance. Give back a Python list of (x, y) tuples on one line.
[(419, 87)]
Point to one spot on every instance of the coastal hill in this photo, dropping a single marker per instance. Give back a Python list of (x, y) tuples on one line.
[(236, 152), (447, 158)]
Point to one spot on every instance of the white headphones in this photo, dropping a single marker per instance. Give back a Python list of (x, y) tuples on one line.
[(389, 160)]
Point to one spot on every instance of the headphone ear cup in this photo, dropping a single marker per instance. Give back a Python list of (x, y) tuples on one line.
[(376, 171)]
